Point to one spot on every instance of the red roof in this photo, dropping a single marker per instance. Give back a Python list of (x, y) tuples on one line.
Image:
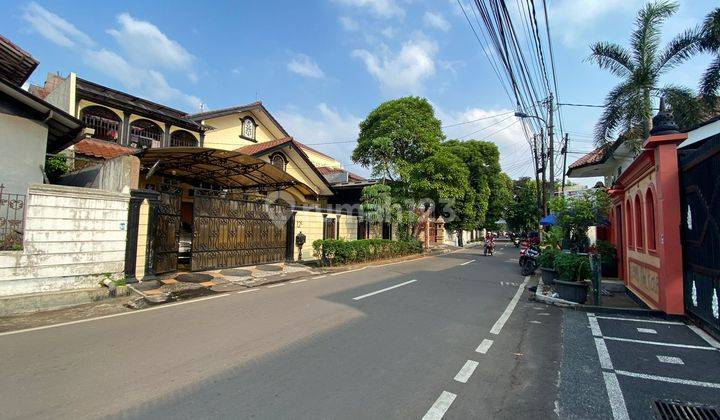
[(102, 149), (257, 148), (596, 156)]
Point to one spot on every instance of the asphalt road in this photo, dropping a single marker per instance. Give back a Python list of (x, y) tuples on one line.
[(398, 341)]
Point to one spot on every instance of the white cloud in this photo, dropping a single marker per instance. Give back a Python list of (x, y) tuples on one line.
[(575, 20), (149, 83), (53, 27), (303, 65), (389, 32), (498, 126), (324, 124), (405, 71), (349, 24), (380, 8), (144, 43), (436, 20)]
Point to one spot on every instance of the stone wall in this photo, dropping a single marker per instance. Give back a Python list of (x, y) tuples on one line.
[(74, 238)]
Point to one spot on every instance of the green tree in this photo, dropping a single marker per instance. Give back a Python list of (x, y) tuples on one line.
[(396, 135), (522, 213), (628, 106), (710, 42)]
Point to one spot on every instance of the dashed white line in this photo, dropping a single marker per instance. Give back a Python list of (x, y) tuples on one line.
[(668, 379), (319, 277), (466, 371), (298, 281), (646, 330), (384, 290), (508, 311), (658, 343), (441, 405), (467, 262), (348, 271), (276, 285), (248, 291), (139, 311), (670, 360), (650, 321), (484, 346)]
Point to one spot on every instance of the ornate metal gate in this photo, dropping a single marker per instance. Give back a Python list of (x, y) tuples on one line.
[(700, 210), (167, 229), (233, 233)]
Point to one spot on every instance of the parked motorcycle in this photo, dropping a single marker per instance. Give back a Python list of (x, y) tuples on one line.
[(529, 259)]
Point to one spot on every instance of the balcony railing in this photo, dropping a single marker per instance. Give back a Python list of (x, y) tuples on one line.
[(105, 129), (12, 215), (145, 138)]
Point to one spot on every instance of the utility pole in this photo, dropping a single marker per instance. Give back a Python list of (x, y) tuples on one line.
[(543, 166), (564, 153), (551, 147), (536, 161)]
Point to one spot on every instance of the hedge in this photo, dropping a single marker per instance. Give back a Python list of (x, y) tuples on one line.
[(340, 251)]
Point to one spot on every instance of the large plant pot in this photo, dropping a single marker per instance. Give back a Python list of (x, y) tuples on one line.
[(572, 290), (548, 275)]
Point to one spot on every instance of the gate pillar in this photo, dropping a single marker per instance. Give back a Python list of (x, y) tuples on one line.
[(139, 240)]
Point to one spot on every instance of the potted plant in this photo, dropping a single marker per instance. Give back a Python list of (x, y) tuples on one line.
[(608, 258), (546, 261), (573, 270)]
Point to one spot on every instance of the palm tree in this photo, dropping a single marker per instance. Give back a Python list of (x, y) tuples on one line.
[(710, 42), (628, 106)]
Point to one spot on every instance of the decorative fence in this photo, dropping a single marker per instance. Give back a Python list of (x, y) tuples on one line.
[(12, 216)]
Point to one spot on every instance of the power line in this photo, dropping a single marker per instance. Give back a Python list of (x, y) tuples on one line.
[(478, 119)]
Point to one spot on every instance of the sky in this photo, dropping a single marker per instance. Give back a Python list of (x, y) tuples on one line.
[(320, 66)]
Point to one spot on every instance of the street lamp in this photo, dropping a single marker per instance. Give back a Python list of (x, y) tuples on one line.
[(524, 115)]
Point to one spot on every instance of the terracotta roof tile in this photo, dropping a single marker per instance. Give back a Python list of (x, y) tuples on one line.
[(102, 149), (253, 149), (327, 170)]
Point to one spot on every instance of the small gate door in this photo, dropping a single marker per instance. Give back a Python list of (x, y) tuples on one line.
[(700, 210), (233, 233), (167, 229)]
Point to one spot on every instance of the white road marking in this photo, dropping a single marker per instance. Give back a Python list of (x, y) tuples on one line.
[(384, 290), (670, 359), (659, 343), (511, 260), (646, 331), (466, 371), (80, 321), (651, 321), (348, 271), (543, 314), (510, 308), (319, 277), (467, 262), (248, 291), (594, 326), (441, 405), (536, 322), (398, 262), (603, 354), (668, 379), (276, 285), (617, 401), (705, 336), (298, 281), (484, 346)]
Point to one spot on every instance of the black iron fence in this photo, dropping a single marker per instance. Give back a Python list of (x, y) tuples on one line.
[(12, 216)]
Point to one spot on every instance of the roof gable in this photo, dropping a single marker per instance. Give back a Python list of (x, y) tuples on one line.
[(257, 108)]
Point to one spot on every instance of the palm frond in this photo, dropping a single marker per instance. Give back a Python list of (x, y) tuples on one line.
[(612, 57), (615, 114), (646, 36), (687, 109), (682, 47), (710, 83), (711, 32)]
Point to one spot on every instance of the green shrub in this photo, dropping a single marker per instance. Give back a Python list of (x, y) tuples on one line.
[(340, 251), (547, 257), (572, 267), (608, 253)]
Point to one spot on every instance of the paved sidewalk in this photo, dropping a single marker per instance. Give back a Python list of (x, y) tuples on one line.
[(621, 367)]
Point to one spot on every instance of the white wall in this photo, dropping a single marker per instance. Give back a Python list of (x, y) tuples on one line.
[(24, 142), (74, 238)]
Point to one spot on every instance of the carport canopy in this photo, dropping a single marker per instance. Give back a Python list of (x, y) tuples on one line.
[(225, 169)]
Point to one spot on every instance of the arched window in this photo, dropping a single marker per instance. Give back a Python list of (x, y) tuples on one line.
[(182, 138), (145, 134), (105, 122), (650, 219), (278, 160), (638, 223), (248, 128), (629, 224)]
